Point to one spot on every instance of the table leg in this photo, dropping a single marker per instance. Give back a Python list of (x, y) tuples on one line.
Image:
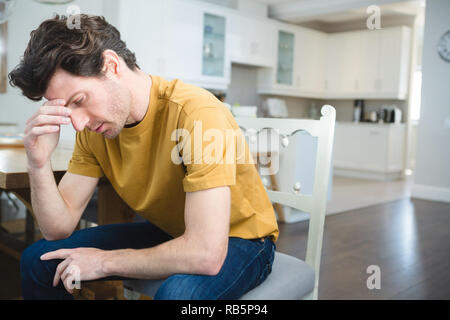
[(29, 228), (111, 208)]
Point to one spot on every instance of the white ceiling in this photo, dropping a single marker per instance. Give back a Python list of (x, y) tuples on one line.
[(334, 11)]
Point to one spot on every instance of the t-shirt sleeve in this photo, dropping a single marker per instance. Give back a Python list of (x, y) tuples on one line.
[(83, 160), (208, 150)]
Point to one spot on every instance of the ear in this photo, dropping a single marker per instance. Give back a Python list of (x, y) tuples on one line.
[(111, 63)]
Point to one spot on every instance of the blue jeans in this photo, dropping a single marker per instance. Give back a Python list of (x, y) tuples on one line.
[(247, 264)]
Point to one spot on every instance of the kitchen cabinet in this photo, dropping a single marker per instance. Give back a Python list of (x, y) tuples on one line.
[(285, 61), (177, 39), (370, 64), (394, 60), (213, 63), (366, 150), (196, 44), (368, 77), (299, 70), (343, 65), (252, 40), (310, 66)]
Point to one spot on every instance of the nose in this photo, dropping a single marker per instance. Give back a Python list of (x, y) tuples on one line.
[(79, 120)]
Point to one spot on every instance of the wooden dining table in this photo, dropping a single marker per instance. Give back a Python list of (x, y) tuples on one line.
[(14, 179)]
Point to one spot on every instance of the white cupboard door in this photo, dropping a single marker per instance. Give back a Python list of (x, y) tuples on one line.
[(238, 34), (310, 66), (262, 43), (373, 155), (347, 147), (394, 62), (252, 41), (390, 48), (360, 147), (369, 75), (343, 65)]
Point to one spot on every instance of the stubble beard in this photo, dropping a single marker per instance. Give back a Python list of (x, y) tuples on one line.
[(119, 110)]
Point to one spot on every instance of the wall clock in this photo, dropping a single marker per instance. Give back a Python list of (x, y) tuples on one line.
[(444, 46)]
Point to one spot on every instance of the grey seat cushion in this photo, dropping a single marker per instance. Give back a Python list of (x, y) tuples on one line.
[(290, 279)]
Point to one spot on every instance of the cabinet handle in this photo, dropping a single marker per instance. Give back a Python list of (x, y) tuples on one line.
[(374, 133)]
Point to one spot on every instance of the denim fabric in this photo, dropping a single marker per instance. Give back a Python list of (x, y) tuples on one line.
[(247, 264)]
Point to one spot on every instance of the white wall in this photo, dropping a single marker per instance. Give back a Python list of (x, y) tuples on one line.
[(432, 176), (27, 16)]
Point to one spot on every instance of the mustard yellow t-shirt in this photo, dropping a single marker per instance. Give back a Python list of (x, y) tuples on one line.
[(183, 144)]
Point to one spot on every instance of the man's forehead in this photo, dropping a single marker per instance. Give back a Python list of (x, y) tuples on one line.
[(60, 86)]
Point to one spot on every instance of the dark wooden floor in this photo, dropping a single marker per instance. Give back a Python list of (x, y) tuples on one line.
[(409, 240)]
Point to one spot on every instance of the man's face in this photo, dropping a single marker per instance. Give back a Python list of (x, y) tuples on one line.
[(99, 104)]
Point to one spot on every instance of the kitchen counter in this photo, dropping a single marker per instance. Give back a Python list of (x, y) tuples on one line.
[(369, 150)]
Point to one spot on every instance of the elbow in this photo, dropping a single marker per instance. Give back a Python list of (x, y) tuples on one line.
[(212, 263), (54, 235)]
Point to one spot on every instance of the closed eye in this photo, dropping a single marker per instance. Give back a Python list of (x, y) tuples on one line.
[(79, 101)]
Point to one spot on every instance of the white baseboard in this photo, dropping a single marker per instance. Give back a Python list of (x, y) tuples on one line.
[(421, 191)]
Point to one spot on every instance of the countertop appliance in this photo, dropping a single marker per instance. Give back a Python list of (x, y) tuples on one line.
[(391, 114)]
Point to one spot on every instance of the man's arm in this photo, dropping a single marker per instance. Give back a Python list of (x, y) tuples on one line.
[(59, 208), (202, 249)]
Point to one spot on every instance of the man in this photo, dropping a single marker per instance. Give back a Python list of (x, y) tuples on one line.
[(211, 227)]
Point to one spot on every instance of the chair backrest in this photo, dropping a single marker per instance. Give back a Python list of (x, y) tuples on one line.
[(314, 204)]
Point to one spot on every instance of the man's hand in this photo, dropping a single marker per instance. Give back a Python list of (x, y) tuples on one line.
[(78, 265), (42, 131)]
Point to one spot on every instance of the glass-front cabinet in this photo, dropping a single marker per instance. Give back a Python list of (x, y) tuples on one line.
[(285, 63), (213, 61)]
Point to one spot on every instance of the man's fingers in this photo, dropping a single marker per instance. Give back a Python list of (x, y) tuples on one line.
[(59, 270), (51, 110), (70, 274), (44, 119), (39, 131), (55, 107), (55, 102), (58, 254)]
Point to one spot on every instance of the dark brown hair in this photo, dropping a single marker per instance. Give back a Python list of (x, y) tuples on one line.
[(78, 51)]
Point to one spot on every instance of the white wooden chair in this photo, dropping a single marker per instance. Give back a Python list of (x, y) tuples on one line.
[(291, 278)]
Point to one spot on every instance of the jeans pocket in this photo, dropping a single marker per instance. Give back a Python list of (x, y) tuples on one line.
[(267, 257)]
